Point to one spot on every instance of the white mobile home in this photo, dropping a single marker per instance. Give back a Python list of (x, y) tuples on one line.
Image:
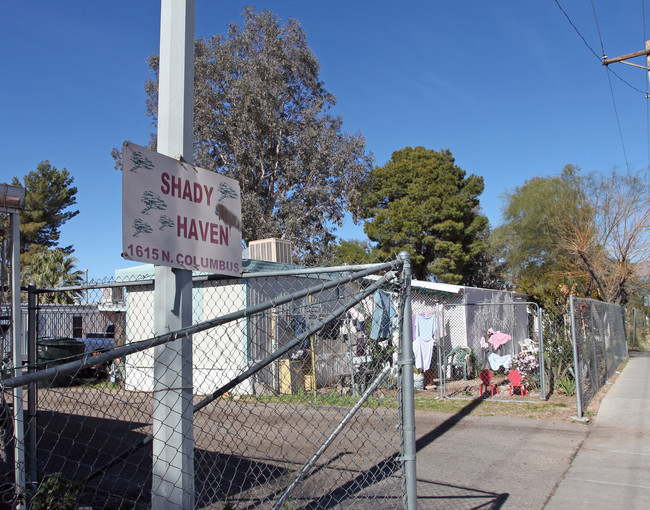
[(223, 352)]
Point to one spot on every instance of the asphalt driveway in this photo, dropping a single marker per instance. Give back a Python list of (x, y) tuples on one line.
[(491, 462)]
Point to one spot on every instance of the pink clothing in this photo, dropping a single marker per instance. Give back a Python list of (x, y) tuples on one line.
[(498, 339)]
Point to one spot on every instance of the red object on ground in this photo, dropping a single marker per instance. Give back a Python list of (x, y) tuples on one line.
[(515, 382), (486, 382)]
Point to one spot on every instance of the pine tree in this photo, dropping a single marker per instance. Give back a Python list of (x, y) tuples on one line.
[(420, 201)]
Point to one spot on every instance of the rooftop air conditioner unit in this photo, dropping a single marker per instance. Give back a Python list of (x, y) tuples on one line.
[(272, 250), (112, 295)]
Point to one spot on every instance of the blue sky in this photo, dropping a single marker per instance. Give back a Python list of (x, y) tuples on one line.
[(508, 86)]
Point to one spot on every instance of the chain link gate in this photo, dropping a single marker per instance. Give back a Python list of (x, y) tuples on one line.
[(298, 397)]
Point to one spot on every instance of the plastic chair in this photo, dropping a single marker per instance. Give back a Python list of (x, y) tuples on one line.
[(527, 345), (457, 358), (515, 382), (486, 382)]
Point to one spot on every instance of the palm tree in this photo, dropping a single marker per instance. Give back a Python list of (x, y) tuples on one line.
[(51, 269)]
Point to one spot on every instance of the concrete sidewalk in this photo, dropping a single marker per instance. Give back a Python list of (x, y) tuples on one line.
[(612, 466)]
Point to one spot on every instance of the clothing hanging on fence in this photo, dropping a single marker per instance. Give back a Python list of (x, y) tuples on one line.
[(382, 317), (361, 345), (423, 340), (358, 320), (497, 361), (299, 327), (427, 328)]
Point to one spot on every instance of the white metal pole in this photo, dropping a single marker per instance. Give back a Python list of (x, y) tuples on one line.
[(577, 373), (17, 330), (173, 442)]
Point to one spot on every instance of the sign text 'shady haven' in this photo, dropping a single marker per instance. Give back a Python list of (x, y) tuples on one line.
[(205, 231), (189, 228), (185, 190)]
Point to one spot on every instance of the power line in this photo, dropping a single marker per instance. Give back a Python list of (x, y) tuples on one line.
[(618, 122), (600, 59), (627, 83), (611, 89), (647, 104), (609, 80), (577, 31), (602, 46)]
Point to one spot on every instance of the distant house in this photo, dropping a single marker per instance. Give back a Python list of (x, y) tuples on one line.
[(99, 318), (221, 353)]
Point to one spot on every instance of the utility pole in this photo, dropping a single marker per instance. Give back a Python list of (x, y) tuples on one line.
[(623, 59)]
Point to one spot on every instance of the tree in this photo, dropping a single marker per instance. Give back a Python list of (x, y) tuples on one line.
[(50, 269), (526, 237), (166, 221), (49, 195), (588, 233), (608, 233), (261, 117), (487, 269), (140, 161), (354, 252), (420, 201), (141, 227)]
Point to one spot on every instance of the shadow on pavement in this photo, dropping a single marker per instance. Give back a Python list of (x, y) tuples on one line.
[(449, 495)]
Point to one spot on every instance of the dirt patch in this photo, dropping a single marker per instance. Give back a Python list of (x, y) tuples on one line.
[(465, 397)]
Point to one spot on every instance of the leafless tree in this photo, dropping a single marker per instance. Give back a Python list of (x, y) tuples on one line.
[(606, 233)]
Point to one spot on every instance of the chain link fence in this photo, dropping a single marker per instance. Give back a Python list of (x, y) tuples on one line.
[(599, 345), (464, 335), (480, 336), (638, 328), (297, 392), (298, 385), (558, 350)]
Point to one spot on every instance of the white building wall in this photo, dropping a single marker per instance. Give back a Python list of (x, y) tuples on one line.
[(219, 354), (138, 367)]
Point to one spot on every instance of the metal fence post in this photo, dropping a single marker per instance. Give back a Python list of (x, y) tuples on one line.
[(633, 327), (16, 326), (30, 459), (576, 369), (542, 363), (408, 391)]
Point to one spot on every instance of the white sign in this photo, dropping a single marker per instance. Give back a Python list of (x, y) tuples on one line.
[(179, 215)]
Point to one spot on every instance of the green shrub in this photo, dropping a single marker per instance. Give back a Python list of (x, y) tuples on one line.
[(567, 385), (54, 493)]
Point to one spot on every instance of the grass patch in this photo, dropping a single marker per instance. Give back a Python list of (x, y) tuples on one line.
[(323, 399), (541, 410), (104, 384)]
